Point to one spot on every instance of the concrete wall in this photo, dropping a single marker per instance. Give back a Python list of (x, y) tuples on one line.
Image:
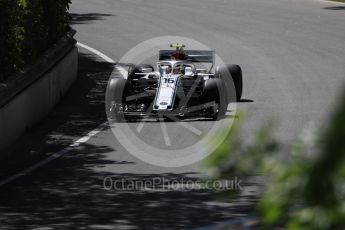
[(33, 103)]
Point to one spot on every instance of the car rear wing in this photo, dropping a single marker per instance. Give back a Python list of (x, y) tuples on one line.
[(202, 56)]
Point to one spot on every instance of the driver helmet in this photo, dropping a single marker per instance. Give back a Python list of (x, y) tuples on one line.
[(180, 53)]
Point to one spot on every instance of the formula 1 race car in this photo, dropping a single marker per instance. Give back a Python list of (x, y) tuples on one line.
[(176, 89)]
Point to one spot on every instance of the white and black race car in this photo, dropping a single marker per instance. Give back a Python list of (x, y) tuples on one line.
[(177, 88)]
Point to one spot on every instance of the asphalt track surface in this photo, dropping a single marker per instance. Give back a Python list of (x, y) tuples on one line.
[(292, 53)]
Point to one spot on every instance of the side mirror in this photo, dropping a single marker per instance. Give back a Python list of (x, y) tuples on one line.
[(188, 72)]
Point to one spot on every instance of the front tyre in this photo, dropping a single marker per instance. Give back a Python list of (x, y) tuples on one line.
[(115, 98), (214, 92)]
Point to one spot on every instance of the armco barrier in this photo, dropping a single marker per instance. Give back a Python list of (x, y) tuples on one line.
[(31, 95)]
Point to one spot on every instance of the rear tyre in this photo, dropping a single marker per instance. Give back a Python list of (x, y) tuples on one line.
[(233, 72), (236, 74)]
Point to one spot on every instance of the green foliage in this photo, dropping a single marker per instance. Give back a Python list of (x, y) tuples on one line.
[(305, 183), (27, 28), (11, 37)]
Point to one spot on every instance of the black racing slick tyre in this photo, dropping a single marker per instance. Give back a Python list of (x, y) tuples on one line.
[(234, 73), (215, 91), (116, 93)]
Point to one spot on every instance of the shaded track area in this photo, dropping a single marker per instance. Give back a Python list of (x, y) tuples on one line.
[(72, 196)]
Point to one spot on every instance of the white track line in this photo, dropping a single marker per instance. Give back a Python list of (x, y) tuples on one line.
[(104, 57), (98, 53), (76, 143)]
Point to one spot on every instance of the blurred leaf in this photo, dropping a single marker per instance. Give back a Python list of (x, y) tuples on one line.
[(305, 184)]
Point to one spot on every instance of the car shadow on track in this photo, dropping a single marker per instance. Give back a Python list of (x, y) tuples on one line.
[(245, 101), (335, 8)]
